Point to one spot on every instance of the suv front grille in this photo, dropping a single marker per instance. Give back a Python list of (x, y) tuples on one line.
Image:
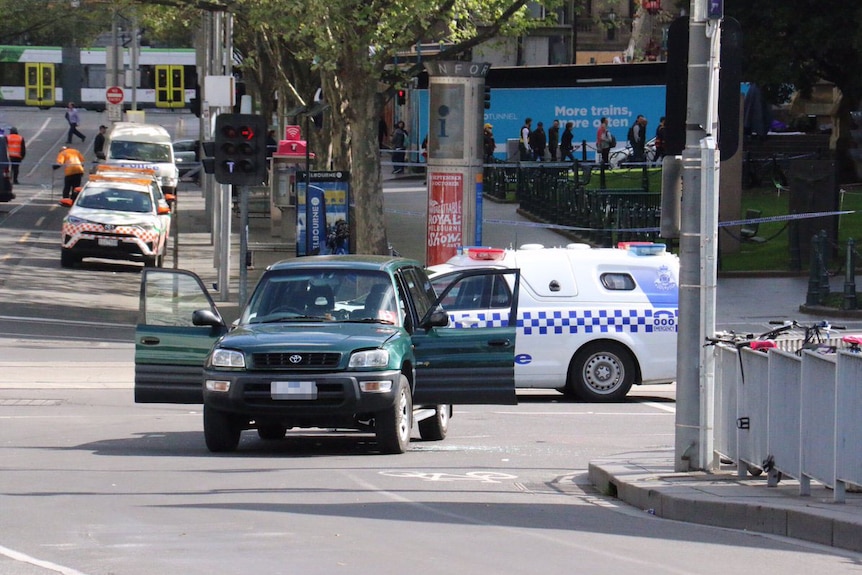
[(294, 360)]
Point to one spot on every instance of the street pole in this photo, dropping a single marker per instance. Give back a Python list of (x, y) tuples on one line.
[(698, 244)]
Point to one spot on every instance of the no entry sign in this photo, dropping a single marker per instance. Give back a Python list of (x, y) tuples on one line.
[(114, 95)]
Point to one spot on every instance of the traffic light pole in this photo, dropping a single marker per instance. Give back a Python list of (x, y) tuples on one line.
[(698, 245), (243, 245)]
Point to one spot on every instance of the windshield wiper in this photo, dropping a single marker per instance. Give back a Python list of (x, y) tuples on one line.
[(295, 318), (370, 320)]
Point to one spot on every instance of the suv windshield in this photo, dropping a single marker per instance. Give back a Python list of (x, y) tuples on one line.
[(323, 295)]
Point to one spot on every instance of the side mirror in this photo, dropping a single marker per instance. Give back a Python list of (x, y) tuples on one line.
[(206, 317), (163, 209), (437, 318), (66, 202), (170, 198)]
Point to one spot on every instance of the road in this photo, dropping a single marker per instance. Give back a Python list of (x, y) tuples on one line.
[(93, 484)]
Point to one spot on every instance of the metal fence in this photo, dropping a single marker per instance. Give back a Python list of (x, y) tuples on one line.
[(602, 207), (791, 415)]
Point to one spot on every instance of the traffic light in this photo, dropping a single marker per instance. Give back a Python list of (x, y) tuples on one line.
[(240, 149), (487, 98), (402, 97)]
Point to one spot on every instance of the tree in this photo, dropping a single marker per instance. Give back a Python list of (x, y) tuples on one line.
[(348, 47), (792, 44)]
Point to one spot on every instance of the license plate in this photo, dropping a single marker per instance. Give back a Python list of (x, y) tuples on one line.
[(293, 390), (108, 242)]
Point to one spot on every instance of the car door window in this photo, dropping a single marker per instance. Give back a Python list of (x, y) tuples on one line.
[(171, 299)]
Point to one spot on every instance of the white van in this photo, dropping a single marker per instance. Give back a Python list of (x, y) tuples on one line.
[(591, 321), (133, 145)]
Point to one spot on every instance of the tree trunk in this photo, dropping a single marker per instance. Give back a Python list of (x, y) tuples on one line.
[(360, 112)]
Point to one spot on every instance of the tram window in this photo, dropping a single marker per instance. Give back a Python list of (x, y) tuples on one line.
[(12, 74)]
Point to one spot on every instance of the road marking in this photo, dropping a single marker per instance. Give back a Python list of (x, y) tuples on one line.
[(24, 238), (481, 476), (24, 558)]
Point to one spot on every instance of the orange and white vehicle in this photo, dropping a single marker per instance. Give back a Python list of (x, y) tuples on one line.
[(118, 218)]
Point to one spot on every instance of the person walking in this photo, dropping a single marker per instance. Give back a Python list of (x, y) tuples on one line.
[(72, 162), (554, 139), (99, 143), (399, 142), (17, 149), (636, 138), (524, 141), (604, 141), (74, 119), (566, 147), (488, 143), (538, 142), (659, 140)]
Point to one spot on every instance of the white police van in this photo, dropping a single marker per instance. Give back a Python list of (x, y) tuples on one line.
[(591, 321)]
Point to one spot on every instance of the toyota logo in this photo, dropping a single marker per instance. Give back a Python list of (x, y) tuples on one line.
[(295, 358), (110, 227)]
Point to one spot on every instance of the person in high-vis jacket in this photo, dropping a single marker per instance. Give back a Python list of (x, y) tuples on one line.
[(72, 162), (17, 149)]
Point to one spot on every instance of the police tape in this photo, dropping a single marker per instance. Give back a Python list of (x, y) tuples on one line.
[(766, 219)]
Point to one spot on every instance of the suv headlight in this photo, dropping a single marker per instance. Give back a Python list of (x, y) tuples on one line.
[(375, 358), (227, 359)]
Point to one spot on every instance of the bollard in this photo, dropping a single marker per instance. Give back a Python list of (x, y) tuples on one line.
[(812, 297), (849, 301)]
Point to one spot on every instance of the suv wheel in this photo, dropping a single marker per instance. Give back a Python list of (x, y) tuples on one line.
[(221, 430), (67, 260), (393, 426), (434, 428)]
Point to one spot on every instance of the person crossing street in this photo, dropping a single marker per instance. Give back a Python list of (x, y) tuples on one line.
[(72, 162)]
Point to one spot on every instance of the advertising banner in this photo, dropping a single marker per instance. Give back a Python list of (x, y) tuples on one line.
[(322, 225), (445, 211)]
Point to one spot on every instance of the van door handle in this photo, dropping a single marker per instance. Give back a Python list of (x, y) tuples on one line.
[(499, 343), (149, 340)]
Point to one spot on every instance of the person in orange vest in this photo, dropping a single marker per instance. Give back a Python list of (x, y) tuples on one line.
[(17, 149), (73, 163)]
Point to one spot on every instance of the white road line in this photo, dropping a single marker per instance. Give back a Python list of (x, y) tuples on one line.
[(24, 558)]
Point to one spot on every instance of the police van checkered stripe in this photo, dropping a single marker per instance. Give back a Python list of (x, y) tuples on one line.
[(559, 322)]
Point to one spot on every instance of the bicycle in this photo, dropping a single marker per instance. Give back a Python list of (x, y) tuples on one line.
[(816, 335)]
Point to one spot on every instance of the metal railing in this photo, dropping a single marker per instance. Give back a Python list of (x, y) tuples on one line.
[(793, 415), (603, 207)]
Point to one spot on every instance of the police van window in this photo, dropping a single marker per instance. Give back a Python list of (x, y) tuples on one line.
[(618, 281), (478, 292)]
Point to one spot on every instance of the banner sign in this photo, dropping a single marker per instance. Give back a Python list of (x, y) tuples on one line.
[(445, 197), (325, 209)]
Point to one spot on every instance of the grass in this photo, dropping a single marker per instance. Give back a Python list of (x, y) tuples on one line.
[(774, 254)]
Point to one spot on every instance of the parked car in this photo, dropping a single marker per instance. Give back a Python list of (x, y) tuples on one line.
[(116, 218), (187, 157), (333, 342)]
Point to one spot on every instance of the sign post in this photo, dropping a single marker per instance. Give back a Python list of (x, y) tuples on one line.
[(114, 97)]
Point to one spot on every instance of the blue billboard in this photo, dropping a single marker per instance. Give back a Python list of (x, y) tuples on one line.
[(583, 106)]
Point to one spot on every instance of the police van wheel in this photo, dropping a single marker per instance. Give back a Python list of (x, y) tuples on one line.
[(601, 372)]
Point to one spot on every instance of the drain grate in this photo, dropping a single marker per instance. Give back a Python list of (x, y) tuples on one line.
[(29, 402)]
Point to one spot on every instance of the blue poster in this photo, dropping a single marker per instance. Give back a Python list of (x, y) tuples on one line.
[(584, 107), (325, 208)]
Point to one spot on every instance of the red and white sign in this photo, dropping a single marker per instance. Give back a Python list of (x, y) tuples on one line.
[(114, 95), (444, 217)]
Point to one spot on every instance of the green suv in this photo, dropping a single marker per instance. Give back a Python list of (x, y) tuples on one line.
[(336, 342)]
